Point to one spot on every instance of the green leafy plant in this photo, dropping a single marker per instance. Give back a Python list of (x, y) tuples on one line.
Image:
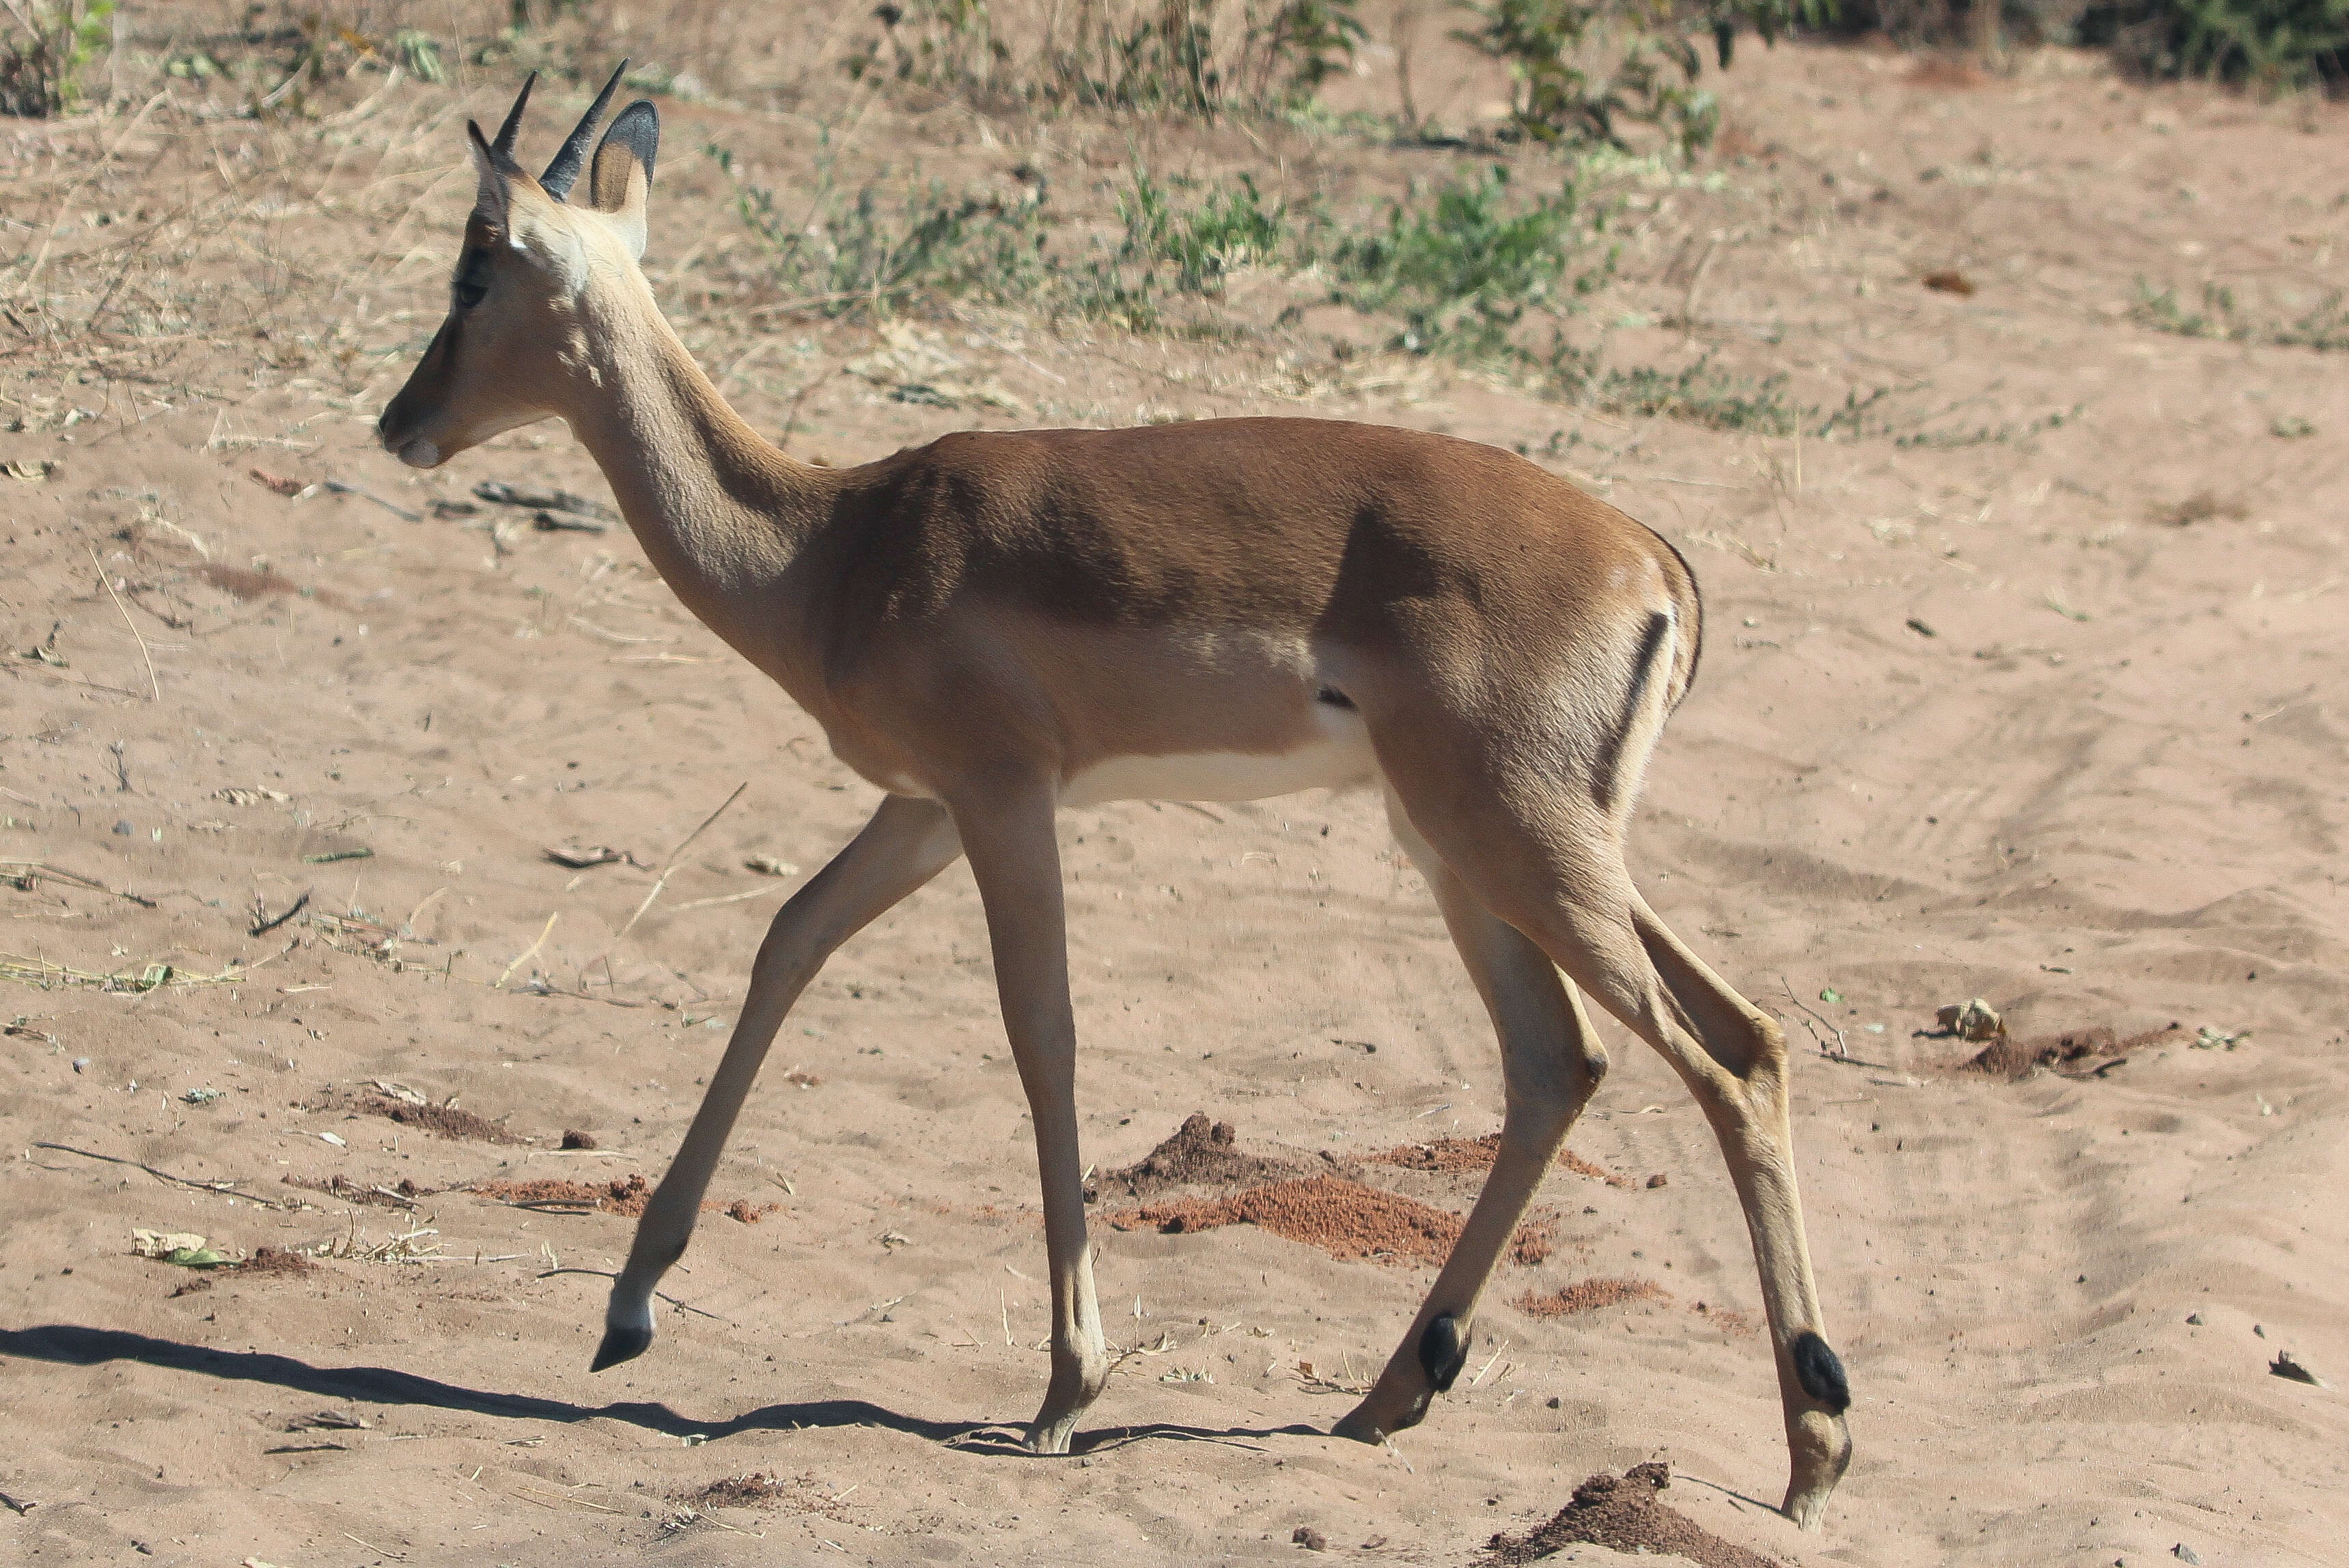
[(2273, 45), (848, 253), (1462, 267), (45, 50), (2324, 327), (1230, 229), (1201, 57), (421, 54), (1584, 69)]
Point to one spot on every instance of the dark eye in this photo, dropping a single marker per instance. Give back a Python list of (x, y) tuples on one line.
[(472, 279)]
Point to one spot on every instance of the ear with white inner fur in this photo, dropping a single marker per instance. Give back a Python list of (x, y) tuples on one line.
[(621, 181), (490, 197)]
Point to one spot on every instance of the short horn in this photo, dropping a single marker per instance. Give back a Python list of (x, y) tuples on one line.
[(561, 173), (503, 145)]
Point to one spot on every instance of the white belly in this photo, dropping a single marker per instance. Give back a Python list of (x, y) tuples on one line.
[(1338, 756)]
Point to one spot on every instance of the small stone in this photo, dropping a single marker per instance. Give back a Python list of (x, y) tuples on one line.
[(1309, 1538), (1659, 1180), (1556, 1403), (126, 829), (2194, 1318), (2185, 1554)]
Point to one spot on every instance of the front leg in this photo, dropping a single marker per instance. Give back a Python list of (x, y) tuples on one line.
[(1016, 858), (905, 844)]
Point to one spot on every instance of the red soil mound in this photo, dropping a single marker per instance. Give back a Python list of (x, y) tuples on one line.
[(1200, 1153), (1344, 1219), (1590, 1295), (1623, 1515)]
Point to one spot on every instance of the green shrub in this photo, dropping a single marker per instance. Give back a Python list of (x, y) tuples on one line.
[(2273, 45), (1582, 69), (1462, 265), (44, 51), (844, 254), (1204, 58), (2324, 327)]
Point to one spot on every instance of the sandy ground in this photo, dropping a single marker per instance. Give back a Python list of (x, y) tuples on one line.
[(2105, 790)]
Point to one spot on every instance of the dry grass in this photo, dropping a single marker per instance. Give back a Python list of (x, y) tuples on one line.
[(237, 232)]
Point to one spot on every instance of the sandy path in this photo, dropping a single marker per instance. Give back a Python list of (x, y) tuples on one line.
[(2123, 820)]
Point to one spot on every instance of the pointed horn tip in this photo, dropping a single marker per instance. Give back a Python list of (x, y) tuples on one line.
[(507, 131), (572, 157)]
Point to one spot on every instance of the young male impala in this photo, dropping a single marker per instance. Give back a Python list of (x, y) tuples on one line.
[(995, 626)]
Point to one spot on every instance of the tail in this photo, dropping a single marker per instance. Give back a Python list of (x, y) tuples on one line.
[(1666, 658), (1688, 628)]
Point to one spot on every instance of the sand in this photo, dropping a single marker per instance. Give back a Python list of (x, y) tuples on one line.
[(2105, 793)]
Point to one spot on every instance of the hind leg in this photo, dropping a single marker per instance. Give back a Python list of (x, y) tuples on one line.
[(1546, 857), (1741, 1084), (1551, 1062)]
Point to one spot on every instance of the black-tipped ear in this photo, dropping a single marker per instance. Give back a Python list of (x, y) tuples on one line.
[(636, 132), (564, 171), (621, 181)]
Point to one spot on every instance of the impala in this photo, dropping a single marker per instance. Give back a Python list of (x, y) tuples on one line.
[(995, 626)]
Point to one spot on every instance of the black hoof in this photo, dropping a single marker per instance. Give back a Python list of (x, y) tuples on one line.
[(1820, 1371), (1443, 1351), (620, 1345)]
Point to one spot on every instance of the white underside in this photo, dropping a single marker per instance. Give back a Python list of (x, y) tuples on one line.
[(1338, 756)]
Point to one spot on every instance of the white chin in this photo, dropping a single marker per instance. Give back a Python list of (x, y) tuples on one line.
[(420, 455)]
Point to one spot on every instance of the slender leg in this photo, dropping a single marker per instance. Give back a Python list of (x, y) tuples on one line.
[(1741, 1084), (1544, 853), (1551, 1063), (1017, 863), (905, 844), (1733, 1058)]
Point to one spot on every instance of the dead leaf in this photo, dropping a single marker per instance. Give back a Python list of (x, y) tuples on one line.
[(32, 473), (1950, 282), (276, 483)]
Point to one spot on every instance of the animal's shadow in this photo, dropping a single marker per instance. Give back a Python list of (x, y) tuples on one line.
[(75, 1345)]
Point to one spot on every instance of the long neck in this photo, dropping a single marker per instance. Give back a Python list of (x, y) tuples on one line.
[(720, 511)]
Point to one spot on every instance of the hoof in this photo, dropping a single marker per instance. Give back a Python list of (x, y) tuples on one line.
[(1355, 1427), (1053, 1440), (1820, 1372), (1443, 1352), (621, 1344)]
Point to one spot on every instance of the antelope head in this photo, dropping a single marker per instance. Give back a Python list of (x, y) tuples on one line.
[(534, 271)]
